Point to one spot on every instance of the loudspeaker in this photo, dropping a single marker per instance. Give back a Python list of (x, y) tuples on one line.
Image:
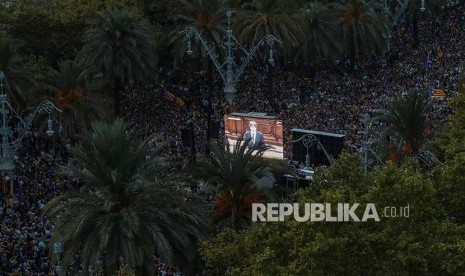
[(333, 144), (214, 129), (187, 136)]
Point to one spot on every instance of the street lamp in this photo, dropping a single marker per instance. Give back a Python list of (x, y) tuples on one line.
[(8, 150), (428, 159), (229, 71), (422, 7), (366, 145), (397, 10), (57, 250), (309, 140)]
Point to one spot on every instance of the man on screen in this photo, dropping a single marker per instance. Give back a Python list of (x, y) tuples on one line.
[(254, 136)]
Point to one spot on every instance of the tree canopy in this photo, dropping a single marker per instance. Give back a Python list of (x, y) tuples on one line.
[(425, 242)]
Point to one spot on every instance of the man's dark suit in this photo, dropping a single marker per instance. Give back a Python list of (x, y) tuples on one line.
[(259, 142)]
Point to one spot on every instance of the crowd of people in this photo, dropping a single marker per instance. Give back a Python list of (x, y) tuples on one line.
[(332, 98), (24, 231), (336, 98)]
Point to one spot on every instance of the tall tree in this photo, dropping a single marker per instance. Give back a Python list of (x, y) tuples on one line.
[(321, 40), (18, 81), (208, 17), (74, 89), (276, 17), (406, 121), (234, 175), (449, 178), (123, 48), (128, 215), (399, 243), (365, 28)]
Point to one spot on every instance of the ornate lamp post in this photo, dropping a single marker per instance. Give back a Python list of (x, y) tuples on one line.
[(366, 145), (229, 71), (397, 10), (422, 7), (428, 159), (11, 139), (57, 250), (309, 140)]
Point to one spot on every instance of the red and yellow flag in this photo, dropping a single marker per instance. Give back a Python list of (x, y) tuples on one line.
[(438, 93), (170, 96), (179, 101)]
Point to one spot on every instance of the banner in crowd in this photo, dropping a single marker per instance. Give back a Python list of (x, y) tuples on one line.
[(173, 98), (437, 93)]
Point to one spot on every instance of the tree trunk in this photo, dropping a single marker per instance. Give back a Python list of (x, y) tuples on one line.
[(234, 221), (111, 264), (145, 269), (118, 86), (110, 268), (209, 107), (312, 70)]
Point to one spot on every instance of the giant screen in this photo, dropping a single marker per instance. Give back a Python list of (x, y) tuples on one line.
[(259, 129)]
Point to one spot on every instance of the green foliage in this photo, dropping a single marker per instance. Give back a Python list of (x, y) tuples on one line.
[(209, 19), (235, 176), (406, 120), (57, 29), (161, 12), (450, 178), (37, 66), (321, 40), (58, 26), (122, 48), (74, 88), (74, 75), (276, 17), (365, 29), (128, 215), (18, 81), (452, 139), (424, 243)]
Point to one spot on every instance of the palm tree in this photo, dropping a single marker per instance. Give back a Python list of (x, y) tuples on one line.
[(208, 17), (406, 122), (321, 40), (128, 215), (235, 176), (276, 17), (122, 47), (74, 90), (365, 29), (18, 81)]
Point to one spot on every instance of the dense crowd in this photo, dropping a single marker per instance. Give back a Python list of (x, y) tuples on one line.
[(335, 98), (24, 231), (332, 99)]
